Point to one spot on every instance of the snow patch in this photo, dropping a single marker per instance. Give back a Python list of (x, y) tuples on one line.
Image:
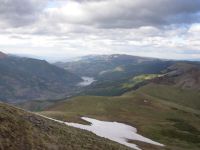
[(114, 131)]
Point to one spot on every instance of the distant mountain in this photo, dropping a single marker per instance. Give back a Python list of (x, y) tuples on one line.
[(31, 79), (21, 130), (114, 67), (115, 73), (112, 71)]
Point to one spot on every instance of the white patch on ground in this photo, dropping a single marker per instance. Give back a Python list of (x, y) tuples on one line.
[(114, 131), (86, 81)]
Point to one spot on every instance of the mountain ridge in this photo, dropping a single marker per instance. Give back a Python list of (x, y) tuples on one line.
[(102, 67)]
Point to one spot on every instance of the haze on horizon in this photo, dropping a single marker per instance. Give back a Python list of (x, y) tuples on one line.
[(59, 29)]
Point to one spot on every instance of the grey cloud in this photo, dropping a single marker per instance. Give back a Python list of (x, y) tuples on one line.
[(104, 13), (19, 37), (130, 13), (147, 13), (20, 12)]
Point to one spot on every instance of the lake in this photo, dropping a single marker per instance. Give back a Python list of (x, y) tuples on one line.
[(86, 81)]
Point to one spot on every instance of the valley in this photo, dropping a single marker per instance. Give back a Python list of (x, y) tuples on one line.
[(158, 98)]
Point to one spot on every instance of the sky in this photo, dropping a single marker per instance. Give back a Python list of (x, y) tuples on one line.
[(62, 29)]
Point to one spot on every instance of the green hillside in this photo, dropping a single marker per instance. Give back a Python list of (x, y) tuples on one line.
[(138, 79), (20, 130), (185, 97), (167, 122)]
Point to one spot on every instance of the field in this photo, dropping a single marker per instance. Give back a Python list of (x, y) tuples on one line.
[(185, 97)]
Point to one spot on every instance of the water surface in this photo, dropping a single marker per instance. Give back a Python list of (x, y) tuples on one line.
[(86, 81)]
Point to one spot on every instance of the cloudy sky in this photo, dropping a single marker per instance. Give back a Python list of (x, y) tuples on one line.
[(58, 29)]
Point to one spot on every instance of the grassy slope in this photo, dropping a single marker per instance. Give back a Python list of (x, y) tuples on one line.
[(20, 130), (138, 79), (36, 105), (185, 97), (165, 121)]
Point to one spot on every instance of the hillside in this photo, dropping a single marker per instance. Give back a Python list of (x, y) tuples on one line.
[(114, 67), (169, 123), (30, 79), (185, 97), (166, 108), (181, 74), (20, 130), (185, 75)]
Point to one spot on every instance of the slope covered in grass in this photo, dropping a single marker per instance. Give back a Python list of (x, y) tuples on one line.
[(185, 97), (139, 79), (20, 130), (169, 123)]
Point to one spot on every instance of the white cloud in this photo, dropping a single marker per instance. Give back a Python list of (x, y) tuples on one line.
[(59, 28)]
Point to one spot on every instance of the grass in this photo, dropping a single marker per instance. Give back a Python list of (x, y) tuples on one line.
[(36, 105), (185, 97), (138, 79), (154, 117), (20, 130)]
